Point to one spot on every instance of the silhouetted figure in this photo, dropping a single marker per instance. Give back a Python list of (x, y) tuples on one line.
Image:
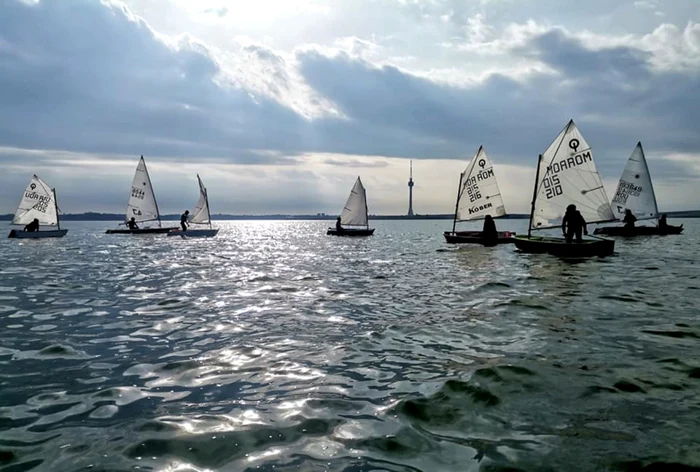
[(573, 224), (489, 233), (33, 226), (338, 226), (131, 224), (183, 220), (629, 220), (662, 222)]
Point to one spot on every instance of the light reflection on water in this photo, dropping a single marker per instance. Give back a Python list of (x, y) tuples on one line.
[(275, 347)]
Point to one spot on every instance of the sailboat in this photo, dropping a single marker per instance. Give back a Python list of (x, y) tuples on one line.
[(566, 174), (200, 215), (38, 202), (142, 204), (478, 195), (354, 214), (636, 193)]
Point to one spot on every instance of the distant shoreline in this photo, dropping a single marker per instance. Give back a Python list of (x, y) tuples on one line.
[(91, 216)]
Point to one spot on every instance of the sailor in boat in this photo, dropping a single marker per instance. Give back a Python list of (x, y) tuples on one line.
[(629, 220), (338, 226), (489, 233), (573, 224), (131, 224), (663, 224), (183, 220), (33, 226)]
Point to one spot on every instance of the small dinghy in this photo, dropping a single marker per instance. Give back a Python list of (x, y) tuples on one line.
[(142, 205), (478, 195), (199, 216), (354, 214), (38, 202), (566, 174), (635, 192)]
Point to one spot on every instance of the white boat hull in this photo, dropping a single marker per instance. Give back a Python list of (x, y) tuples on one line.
[(20, 234), (195, 233)]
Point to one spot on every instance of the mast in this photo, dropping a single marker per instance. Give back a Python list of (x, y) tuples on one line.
[(459, 195), (366, 210), (55, 202), (206, 199), (534, 196), (153, 192), (653, 193)]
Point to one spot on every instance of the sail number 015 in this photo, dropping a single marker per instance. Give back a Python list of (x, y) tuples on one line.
[(552, 186)]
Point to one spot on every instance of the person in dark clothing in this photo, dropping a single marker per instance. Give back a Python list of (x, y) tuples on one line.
[(489, 233), (183, 220), (573, 224), (629, 220), (663, 224), (33, 226), (131, 224), (338, 226)]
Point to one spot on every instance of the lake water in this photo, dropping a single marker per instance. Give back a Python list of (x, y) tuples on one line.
[(276, 348)]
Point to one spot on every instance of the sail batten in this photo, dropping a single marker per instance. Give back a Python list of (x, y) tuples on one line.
[(635, 191), (567, 175), (38, 201), (479, 194), (355, 209), (142, 204)]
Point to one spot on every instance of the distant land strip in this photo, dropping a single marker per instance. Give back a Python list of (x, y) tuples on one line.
[(91, 216)]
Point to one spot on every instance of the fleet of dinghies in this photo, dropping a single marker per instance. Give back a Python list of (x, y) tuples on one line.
[(566, 176)]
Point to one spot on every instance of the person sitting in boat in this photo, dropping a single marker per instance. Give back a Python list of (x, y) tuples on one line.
[(183, 220), (338, 226), (573, 224), (131, 224), (33, 226), (663, 224), (489, 233), (629, 220)]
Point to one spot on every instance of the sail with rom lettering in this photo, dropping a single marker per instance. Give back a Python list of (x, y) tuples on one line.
[(568, 175), (37, 202), (479, 194), (635, 191)]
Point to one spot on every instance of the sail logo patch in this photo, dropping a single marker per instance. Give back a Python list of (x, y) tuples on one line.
[(478, 208)]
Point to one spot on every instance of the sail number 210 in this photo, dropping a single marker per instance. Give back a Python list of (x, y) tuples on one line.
[(552, 186)]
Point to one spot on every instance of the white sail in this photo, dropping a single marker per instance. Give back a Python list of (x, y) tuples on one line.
[(200, 214), (37, 202), (567, 175), (355, 210), (479, 194), (635, 191), (142, 201)]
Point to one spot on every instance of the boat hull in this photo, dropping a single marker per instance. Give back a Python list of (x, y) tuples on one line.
[(638, 231), (350, 232), (560, 248), (141, 231), (194, 233), (20, 234), (475, 237)]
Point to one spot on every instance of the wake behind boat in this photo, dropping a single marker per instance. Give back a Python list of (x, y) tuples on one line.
[(142, 206), (478, 195), (635, 193), (354, 214), (566, 175), (200, 215), (37, 208)]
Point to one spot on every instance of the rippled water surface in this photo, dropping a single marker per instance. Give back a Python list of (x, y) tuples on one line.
[(275, 347)]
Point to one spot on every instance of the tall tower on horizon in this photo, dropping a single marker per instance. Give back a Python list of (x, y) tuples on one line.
[(410, 190)]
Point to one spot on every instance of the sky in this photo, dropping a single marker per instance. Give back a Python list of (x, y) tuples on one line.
[(280, 104)]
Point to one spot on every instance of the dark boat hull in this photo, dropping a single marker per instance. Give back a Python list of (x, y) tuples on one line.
[(638, 231), (475, 237), (560, 248), (20, 234), (141, 231), (194, 233), (350, 232)]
